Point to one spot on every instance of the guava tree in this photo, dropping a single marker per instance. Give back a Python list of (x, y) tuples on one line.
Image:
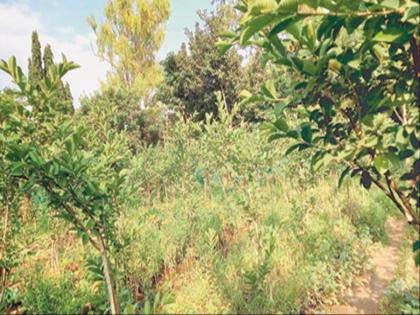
[(357, 68), (39, 151)]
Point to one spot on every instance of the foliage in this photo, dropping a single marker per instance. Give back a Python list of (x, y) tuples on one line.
[(45, 295), (211, 218), (61, 165), (38, 70), (197, 71), (63, 96), (119, 111), (35, 72), (358, 71), (128, 40)]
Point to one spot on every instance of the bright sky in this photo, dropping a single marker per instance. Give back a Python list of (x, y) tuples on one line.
[(62, 23)]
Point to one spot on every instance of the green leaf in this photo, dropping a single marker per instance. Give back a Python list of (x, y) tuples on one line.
[(309, 67), (156, 302), (342, 176), (223, 47), (17, 168), (269, 89), (241, 7), (4, 66), (36, 158), (281, 124), (381, 164), (278, 45), (292, 148), (255, 25), (390, 35), (414, 141), (280, 106), (306, 133), (147, 308), (416, 245), (413, 11), (69, 146), (309, 34), (390, 4)]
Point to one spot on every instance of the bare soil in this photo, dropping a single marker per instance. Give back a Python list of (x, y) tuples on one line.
[(365, 294)]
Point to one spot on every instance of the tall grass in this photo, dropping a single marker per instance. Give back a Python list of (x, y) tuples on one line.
[(223, 221)]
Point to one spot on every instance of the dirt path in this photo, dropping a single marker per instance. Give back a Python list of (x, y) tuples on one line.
[(368, 289)]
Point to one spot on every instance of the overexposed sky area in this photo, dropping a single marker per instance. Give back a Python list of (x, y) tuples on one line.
[(62, 24)]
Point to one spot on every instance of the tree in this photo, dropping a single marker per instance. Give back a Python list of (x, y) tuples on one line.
[(40, 153), (119, 110), (48, 59), (64, 99), (197, 71), (128, 40), (35, 62), (357, 67)]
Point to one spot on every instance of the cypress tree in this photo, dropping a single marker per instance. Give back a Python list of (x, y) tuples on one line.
[(63, 97), (48, 59), (35, 63), (69, 99)]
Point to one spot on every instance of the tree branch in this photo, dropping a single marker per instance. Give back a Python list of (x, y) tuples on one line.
[(76, 219)]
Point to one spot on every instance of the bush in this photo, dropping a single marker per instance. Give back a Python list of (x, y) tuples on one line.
[(63, 295)]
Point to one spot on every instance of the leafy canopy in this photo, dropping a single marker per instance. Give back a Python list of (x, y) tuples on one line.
[(129, 38), (356, 66)]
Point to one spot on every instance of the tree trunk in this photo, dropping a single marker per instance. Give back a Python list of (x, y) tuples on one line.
[(3, 279), (25, 208), (54, 255), (112, 292)]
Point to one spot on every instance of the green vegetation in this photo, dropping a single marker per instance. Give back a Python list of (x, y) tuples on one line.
[(170, 198)]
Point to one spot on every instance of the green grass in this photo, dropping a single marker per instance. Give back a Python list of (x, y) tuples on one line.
[(222, 221)]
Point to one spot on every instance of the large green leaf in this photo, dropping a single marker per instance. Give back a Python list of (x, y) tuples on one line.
[(255, 25), (390, 35), (390, 4), (306, 133), (281, 124)]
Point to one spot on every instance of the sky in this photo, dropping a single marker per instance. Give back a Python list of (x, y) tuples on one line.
[(62, 24)]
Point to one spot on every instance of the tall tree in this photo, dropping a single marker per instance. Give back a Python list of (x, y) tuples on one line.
[(197, 71), (35, 62), (48, 59), (129, 38), (63, 99)]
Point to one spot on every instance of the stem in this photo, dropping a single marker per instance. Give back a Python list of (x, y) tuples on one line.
[(416, 59), (76, 219), (112, 292), (415, 219), (4, 271), (412, 219), (416, 54)]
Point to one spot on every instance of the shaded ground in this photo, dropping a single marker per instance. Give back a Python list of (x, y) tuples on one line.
[(370, 286)]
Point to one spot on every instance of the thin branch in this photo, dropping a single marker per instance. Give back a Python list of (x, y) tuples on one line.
[(76, 219), (406, 203)]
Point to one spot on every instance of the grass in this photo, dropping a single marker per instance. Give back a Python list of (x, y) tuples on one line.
[(259, 233)]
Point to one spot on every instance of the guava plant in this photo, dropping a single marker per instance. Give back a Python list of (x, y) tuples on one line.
[(357, 68), (40, 151)]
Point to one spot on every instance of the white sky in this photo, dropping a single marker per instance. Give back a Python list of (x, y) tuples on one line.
[(62, 25)]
